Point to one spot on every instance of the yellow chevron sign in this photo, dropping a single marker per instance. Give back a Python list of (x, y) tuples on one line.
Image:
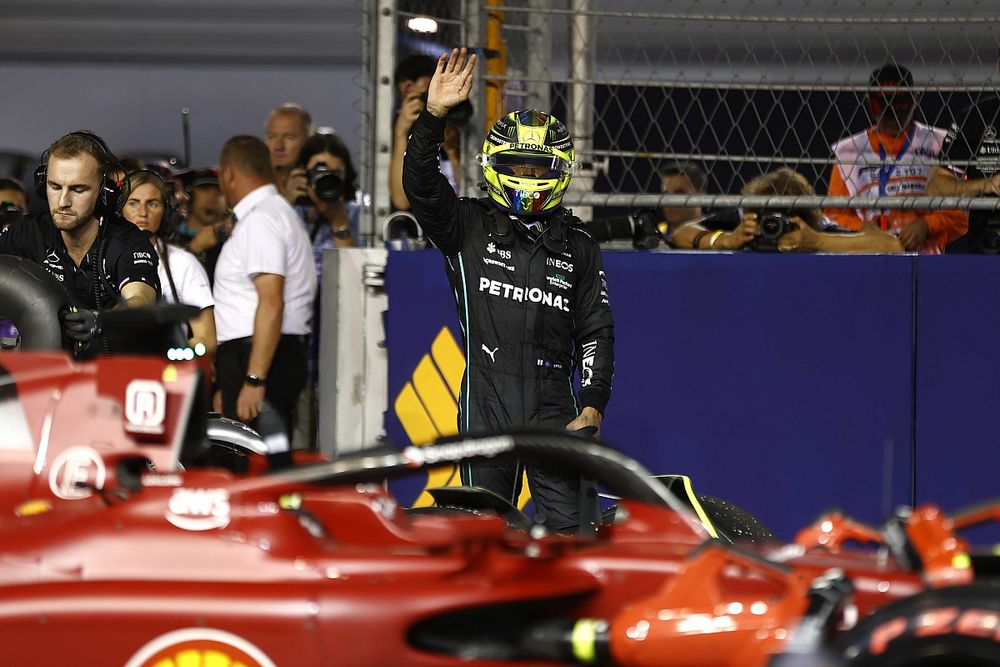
[(427, 408)]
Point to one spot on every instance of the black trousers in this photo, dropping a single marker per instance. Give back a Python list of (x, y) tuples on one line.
[(555, 493), (285, 378)]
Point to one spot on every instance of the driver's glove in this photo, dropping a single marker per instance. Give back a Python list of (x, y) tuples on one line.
[(81, 324)]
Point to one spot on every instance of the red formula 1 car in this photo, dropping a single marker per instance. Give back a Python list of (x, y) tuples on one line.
[(121, 545), (124, 542)]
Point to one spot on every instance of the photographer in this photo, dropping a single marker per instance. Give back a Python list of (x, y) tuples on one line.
[(325, 182), (797, 230), (413, 75), (331, 216)]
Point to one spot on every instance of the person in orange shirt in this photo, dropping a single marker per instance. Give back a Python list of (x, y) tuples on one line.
[(893, 158)]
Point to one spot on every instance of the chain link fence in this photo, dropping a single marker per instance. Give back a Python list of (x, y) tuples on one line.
[(736, 88), (739, 89)]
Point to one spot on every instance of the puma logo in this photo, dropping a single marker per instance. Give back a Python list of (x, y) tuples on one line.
[(491, 352)]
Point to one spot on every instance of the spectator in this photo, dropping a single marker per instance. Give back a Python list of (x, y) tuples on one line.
[(331, 217), (102, 260), (682, 178), (812, 231), (182, 278), (971, 158), (288, 127), (528, 283), (687, 178), (413, 75), (264, 289), (177, 180), (893, 158), (12, 192), (13, 204), (209, 221)]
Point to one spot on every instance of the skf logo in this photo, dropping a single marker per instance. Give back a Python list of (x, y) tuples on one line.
[(145, 407), (198, 509)]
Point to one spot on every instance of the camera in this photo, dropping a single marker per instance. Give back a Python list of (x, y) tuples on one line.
[(641, 226), (9, 214), (326, 183), (773, 225), (460, 114)]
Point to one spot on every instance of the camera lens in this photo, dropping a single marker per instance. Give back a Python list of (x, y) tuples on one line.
[(773, 225), (327, 184)]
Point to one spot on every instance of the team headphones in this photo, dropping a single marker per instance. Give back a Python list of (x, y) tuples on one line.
[(113, 192)]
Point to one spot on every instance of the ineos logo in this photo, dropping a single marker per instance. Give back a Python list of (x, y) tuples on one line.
[(559, 264)]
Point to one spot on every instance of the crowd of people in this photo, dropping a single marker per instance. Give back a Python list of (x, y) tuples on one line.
[(243, 241), (897, 156), (117, 233)]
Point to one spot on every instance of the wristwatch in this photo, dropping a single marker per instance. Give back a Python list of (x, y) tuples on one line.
[(255, 381)]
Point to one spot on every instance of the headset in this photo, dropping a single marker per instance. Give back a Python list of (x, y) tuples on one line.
[(170, 222), (112, 196)]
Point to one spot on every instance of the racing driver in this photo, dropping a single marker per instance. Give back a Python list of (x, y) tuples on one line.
[(528, 283)]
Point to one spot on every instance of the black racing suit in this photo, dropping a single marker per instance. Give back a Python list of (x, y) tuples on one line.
[(533, 309)]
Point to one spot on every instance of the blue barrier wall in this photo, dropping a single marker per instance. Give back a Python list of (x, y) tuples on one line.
[(782, 383)]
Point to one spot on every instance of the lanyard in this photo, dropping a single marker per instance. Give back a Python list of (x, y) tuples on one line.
[(885, 171)]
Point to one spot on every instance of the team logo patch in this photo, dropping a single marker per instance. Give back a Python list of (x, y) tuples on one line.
[(199, 646), (76, 472)]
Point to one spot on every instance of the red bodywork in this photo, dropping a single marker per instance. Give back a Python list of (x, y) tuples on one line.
[(105, 562)]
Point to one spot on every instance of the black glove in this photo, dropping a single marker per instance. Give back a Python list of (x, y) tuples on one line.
[(81, 325)]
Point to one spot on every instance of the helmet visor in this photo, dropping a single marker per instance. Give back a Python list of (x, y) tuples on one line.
[(532, 165)]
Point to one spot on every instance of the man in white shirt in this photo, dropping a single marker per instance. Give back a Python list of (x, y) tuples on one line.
[(265, 284)]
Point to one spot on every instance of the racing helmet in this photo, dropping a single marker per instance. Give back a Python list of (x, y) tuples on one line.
[(528, 161)]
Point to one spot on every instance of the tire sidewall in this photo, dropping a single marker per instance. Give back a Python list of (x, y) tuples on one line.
[(937, 627)]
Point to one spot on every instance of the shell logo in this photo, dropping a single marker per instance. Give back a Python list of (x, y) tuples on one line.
[(199, 647)]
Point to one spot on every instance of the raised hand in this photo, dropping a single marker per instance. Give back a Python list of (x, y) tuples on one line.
[(451, 83)]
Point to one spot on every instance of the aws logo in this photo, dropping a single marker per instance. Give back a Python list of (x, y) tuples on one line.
[(427, 408), (198, 509)]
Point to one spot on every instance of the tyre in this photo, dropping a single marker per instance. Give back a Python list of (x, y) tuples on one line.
[(732, 522), (735, 522), (953, 627)]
